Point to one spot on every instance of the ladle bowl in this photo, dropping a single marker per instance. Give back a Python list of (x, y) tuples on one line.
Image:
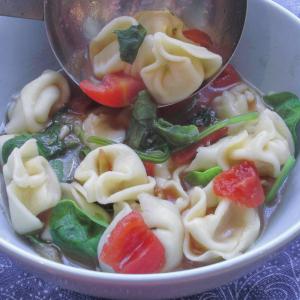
[(71, 24)]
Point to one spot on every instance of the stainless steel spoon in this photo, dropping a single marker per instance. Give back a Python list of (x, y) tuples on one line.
[(71, 24)]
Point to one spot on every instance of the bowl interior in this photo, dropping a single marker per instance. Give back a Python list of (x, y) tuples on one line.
[(272, 64)]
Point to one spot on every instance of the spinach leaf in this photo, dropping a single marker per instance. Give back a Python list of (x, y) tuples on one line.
[(130, 41), (84, 151), (49, 143), (156, 156), (100, 141), (58, 167), (286, 170), (74, 231), (176, 135), (196, 178), (277, 99), (141, 135), (287, 105), (143, 116), (180, 137), (13, 143)]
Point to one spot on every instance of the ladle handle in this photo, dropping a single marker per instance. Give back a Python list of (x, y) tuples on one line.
[(27, 9)]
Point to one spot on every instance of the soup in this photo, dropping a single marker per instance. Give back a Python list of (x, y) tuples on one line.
[(110, 179)]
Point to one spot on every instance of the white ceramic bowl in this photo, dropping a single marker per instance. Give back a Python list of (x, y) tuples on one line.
[(269, 56)]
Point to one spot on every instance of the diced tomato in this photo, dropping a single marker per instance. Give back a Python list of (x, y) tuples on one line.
[(132, 248), (186, 155), (150, 168), (227, 78), (198, 37), (115, 90), (241, 184)]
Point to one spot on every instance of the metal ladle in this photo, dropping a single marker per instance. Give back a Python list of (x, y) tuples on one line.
[(71, 24)]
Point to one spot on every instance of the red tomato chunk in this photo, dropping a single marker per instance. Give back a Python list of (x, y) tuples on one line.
[(227, 78), (241, 184), (199, 37), (132, 248), (150, 168), (115, 90)]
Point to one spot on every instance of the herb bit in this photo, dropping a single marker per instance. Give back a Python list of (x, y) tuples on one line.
[(130, 41), (285, 172), (198, 178), (287, 105)]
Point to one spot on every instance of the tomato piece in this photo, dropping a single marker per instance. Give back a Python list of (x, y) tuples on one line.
[(186, 155), (150, 168), (241, 184), (198, 37), (227, 78), (132, 248), (115, 90)]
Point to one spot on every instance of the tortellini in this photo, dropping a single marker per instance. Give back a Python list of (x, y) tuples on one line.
[(217, 228), (268, 143), (32, 187), (103, 125), (172, 190), (104, 48), (239, 100), (179, 69), (36, 102), (161, 21), (165, 220), (112, 174), (171, 66)]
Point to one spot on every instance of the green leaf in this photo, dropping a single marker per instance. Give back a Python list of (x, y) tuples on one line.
[(287, 105), (84, 151), (279, 98), (143, 116), (144, 110), (58, 167), (181, 137), (100, 141), (49, 143), (13, 143), (176, 135), (156, 156), (130, 41), (74, 231), (286, 170), (196, 178)]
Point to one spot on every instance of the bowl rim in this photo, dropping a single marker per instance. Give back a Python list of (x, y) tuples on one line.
[(253, 255)]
